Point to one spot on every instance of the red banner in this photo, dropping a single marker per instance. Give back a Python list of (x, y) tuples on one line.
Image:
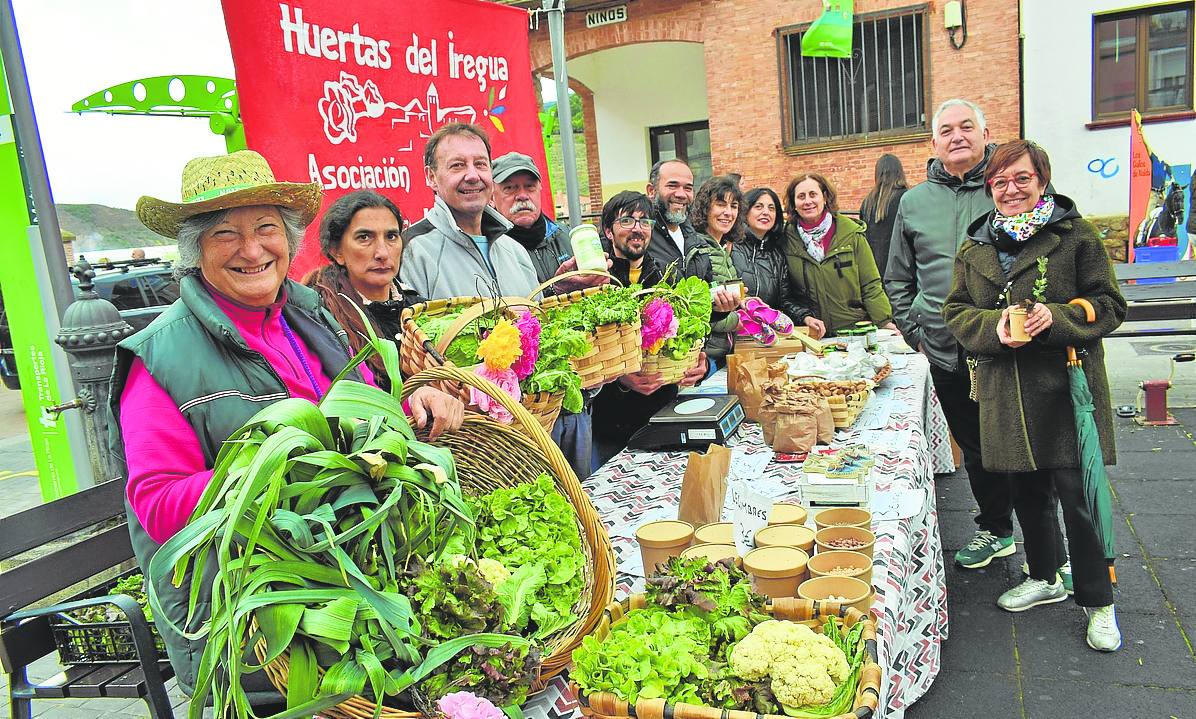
[(1140, 171), (347, 93)]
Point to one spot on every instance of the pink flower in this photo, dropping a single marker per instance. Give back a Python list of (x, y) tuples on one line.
[(658, 323), (507, 382), (529, 337), (465, 705)]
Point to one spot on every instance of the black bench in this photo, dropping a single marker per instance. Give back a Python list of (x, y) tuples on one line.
[(25, 633), (1157, 302)]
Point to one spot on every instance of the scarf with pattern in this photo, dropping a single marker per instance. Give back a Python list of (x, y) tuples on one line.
[(1023, 226), (813, 236)]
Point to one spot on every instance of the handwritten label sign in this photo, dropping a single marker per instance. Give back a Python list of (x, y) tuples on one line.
[(749, 514)]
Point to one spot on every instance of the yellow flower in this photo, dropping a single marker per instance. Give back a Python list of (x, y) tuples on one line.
[(655, 348), (501, 347)]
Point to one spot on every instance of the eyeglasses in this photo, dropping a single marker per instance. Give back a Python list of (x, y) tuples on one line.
[(1021, 181), (628, 222)]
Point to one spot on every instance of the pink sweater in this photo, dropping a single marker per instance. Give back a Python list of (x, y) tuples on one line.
[(167, 472)]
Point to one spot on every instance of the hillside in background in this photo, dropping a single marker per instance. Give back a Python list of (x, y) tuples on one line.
[(99, 227)]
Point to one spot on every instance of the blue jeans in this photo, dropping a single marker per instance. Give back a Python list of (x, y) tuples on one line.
[(574, 434)]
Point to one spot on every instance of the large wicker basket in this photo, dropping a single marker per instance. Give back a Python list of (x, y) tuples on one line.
[(670, 370), (615, 348), (603, 705), (489, 456)]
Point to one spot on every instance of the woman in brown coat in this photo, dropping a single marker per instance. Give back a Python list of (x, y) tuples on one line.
[(1026, 416)]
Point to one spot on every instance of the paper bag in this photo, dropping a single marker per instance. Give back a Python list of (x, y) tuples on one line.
[(704, 488), (826, 422), (750, 379), (795, 432)]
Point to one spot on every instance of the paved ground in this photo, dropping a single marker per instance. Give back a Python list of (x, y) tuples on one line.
[(996, 664)]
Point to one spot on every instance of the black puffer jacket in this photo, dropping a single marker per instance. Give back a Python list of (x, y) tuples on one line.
[(763, 269)]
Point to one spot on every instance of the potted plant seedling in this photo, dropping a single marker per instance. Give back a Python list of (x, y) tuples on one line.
[(1017, 312)]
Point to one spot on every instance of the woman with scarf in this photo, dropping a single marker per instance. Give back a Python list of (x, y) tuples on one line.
[(761, 262), (361, 236), (829, 259), (1035, 248)]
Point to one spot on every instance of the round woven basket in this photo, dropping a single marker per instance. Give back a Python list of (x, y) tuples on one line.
[(670, 370), (615, 348), (418, 353), (604, 705), (489, 456)]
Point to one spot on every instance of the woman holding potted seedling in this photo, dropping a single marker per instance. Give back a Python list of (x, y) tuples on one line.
[(1035, 252)]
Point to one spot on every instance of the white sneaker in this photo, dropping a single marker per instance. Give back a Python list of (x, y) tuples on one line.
[(1103, 633), (1032, 593)]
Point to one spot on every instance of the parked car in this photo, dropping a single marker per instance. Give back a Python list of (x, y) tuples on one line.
[(140, 289)]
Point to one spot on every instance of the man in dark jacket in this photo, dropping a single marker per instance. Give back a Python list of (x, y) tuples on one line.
[(931, 223), (517, 197), (671, 191), (627, 404)]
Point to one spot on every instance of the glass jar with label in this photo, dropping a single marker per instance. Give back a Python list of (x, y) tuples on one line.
[(587, 248), (867, 330)]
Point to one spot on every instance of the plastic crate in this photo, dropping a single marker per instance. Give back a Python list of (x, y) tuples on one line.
[(98, 642)]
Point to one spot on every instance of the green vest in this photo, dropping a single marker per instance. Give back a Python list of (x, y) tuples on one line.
[(198, 357), (722, 271)]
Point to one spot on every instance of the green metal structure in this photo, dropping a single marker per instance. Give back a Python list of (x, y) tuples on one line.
[(175, 96)]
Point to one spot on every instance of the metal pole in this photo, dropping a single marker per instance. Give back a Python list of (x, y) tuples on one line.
[(564, 113), (37, 179)]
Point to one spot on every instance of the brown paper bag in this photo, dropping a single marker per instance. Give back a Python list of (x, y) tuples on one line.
[(795, 432), (704, 488), (750, 379), (826, 422)]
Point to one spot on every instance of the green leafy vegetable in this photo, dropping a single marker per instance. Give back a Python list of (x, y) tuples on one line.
[(553, 373), (532, 529), (690, 299)]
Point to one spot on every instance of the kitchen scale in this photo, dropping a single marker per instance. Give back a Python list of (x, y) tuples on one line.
[(690, 422)]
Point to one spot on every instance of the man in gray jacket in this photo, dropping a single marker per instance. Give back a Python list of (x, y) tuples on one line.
[(460, 248), (931, 223)]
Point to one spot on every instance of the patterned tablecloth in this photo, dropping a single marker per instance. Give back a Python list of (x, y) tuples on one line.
[(911, 602)]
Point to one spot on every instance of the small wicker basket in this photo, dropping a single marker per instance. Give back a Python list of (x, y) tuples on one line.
[(489, 456), (615, 348), (670, 370), (604, 705)]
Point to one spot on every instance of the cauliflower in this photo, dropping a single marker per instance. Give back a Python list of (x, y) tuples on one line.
[(493, 571), (804, 666)]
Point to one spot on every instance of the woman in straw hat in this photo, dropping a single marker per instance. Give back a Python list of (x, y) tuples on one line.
[(240, 336)]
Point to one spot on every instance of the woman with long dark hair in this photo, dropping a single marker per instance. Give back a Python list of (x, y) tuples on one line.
[(760, 259), (361, 236), (880, 207)]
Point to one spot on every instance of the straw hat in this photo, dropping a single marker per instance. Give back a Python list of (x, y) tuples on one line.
[(239, 179)]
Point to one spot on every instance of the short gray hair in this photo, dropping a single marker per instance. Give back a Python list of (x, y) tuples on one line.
[(958, 102), (192, 229)]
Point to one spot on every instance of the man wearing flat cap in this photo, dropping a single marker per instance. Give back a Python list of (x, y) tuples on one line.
[(517, 188)]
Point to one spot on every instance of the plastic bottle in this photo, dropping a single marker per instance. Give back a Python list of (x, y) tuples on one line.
[(587, 248)]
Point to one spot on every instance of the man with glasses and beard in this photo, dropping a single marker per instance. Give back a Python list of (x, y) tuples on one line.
[(627, 404), (517, 197)]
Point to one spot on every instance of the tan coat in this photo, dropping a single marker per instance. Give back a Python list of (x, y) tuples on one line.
[(1026, 415)]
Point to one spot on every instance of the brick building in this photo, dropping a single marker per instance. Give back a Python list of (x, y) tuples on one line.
[(723, 84)]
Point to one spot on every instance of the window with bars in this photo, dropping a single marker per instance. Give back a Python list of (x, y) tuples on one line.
[(879, 91), (1142, 59)]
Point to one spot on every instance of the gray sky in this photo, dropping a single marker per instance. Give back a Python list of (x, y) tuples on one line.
[(74, 48)]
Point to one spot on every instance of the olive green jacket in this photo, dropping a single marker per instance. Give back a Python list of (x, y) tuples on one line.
[(846, 286), (1027, 420)]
